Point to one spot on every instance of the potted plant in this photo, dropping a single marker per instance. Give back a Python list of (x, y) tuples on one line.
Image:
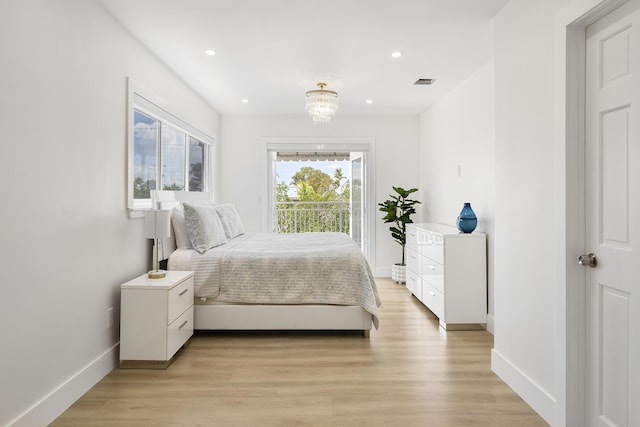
[(398, 210)]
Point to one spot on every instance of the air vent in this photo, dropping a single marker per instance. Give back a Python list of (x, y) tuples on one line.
[(422, 82)]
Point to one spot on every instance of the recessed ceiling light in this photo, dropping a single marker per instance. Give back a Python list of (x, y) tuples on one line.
[(369, 101), (209, 52), (396, 54), (245, 101)]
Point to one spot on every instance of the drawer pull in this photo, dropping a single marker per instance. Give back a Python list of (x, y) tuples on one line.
[(432, 294), (431, 267), (183, 324), (183, 292)]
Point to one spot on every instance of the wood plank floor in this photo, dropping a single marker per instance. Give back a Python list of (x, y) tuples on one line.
[(408, 373)]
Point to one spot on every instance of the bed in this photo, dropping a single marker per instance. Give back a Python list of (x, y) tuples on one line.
[(266, 281)]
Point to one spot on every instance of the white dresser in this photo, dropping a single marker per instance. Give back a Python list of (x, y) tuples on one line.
[(156, 319), (447, 271)]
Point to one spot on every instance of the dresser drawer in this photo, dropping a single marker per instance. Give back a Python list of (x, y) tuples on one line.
[(179, 331), (433, 247), (414, 284), (412, 238), (432, 272), (433, 299), (180, 299), (413, 260)]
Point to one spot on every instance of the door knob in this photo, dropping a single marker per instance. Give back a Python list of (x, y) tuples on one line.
[(588, 260)]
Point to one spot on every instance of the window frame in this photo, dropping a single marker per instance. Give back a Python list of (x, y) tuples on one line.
[(146, 103)]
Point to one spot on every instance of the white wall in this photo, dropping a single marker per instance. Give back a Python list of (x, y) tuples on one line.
[(457, 152), (526, 226), (242, 181), (67, 241)]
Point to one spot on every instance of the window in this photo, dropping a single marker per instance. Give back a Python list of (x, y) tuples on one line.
[(165, 153), (173, 143), (197, 154), (145, 153)]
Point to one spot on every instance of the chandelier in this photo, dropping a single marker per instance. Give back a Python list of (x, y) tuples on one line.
[(322, 104)]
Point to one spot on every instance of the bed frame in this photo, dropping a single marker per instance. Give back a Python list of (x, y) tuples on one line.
[(262, 317)]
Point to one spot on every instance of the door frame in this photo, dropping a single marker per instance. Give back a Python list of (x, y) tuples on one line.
[(569, 155), (364, 145)]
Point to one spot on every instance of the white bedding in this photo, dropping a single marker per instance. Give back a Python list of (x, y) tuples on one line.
[(265, 268)]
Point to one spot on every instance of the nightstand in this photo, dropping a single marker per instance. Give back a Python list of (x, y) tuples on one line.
[(156, 319)]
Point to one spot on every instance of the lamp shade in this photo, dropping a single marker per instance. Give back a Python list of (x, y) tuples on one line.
[(157, 224)]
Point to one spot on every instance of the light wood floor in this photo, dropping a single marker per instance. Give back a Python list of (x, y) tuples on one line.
[(408, 373)]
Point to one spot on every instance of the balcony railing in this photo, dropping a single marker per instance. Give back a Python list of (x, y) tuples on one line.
[(300, 217)]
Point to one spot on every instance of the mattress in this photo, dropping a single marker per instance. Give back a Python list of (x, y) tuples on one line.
[(266, 268)]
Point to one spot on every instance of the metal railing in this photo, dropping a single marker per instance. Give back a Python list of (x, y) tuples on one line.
[(301, 217)]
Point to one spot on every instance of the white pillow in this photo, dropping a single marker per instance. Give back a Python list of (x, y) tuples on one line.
[(230, 220), (204, 227), (180, 228)]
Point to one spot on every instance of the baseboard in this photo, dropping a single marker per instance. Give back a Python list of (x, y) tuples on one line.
[(58, 400), (539, 399), (490, 323)]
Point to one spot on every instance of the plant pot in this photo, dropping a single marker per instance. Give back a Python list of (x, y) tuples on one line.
[(399, 273)]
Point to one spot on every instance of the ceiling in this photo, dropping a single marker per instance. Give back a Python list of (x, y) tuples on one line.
[(270, 52)]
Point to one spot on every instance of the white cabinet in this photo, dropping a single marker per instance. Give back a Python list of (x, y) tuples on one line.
[(447, 271), (156, 319)]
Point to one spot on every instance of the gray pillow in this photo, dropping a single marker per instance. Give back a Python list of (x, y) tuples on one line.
[(204, 227), (230, 220), (180, 229)]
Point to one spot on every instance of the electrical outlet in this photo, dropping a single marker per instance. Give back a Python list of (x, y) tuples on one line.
[(109, 317)]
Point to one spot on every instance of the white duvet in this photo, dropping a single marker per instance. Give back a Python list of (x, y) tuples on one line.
[(265, 268)]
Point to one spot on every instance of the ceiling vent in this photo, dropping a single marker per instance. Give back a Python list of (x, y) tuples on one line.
[(423, 82)]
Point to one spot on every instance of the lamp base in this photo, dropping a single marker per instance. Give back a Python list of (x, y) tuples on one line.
[(157, 274)]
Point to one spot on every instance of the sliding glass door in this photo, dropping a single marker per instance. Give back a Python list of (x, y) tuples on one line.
[(356, 196), (320, 186)]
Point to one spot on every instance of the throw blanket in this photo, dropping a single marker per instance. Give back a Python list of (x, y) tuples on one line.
[(307, 268)]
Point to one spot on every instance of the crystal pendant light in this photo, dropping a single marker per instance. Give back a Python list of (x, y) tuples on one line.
[(322, 104)]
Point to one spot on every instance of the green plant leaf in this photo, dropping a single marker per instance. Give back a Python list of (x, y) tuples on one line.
[(398, 209)]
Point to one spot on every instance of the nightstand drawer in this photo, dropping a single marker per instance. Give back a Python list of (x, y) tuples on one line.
[(179, 331), (180, 299)]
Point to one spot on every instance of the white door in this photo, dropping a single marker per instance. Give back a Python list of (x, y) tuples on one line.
[(357, 198), (612, 358)]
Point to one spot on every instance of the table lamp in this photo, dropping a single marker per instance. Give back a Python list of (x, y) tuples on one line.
[(157, 225)]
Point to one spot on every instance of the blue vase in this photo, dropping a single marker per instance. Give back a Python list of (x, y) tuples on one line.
[(467, 220)]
